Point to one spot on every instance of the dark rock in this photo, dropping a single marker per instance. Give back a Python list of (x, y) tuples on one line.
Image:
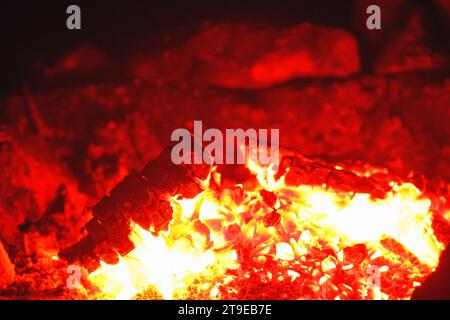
[(249, 55)]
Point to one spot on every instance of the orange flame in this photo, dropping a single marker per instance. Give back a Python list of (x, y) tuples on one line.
[(203, 247)]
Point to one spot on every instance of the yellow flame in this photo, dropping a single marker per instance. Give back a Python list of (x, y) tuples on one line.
[(403, 215), (173, 260)]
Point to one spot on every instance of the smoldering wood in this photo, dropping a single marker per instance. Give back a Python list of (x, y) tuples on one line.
[(142, 198)]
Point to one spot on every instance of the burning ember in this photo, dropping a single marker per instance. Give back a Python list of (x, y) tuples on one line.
[(282, 236), (356, 205)]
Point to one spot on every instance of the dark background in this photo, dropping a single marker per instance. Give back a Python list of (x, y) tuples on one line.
[(34, 32)]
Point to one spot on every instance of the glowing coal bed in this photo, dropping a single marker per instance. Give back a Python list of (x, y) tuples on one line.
[(272, 237)]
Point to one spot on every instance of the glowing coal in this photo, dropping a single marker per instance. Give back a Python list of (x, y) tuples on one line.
[(267, 238)]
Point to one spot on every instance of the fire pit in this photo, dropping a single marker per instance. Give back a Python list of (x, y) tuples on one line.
[(356, 206), (309, 231)]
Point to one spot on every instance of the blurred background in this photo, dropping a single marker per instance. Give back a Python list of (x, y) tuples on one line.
[(34, 35)]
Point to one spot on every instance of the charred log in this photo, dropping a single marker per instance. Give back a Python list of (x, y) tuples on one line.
[(140, 197)]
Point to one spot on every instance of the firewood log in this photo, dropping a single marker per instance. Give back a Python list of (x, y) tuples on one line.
[(142, 198)]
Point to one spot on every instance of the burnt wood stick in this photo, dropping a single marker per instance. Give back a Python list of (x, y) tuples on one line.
[(141, 197), (317, 173)]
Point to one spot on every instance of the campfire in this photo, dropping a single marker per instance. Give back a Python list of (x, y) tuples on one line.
[(356, 206), (309, 231)]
